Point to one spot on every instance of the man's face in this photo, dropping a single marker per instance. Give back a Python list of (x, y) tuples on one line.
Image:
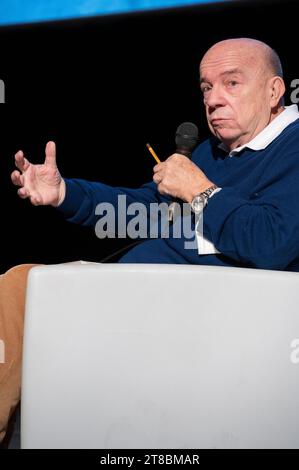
[(235, 89)]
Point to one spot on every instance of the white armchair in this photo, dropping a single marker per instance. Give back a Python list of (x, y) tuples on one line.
[(160, 356)]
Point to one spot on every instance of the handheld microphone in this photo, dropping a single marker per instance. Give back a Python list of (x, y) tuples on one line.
[(186, 138)]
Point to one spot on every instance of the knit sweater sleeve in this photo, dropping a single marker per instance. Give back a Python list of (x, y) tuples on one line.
[(83, 197)]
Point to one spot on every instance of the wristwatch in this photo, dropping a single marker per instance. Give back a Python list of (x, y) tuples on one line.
[(200, 201)]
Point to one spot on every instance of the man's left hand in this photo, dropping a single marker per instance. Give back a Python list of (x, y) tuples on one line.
[(180, 178)]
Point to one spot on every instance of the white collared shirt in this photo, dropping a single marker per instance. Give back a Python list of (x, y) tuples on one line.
[(259, 142)]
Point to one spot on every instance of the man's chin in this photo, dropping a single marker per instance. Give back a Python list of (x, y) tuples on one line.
[(227, 136)]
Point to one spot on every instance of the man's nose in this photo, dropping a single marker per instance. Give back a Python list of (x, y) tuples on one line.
[(215, 98)]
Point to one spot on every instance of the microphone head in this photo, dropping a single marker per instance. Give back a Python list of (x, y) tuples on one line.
[(186, 138)]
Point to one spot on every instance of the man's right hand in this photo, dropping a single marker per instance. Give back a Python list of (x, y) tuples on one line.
[(42, 184)]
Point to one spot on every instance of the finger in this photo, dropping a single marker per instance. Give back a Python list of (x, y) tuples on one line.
[(20, 153), (51, 154), (21, 162), (177, 156), (16, 178), (23, 193), (158, 167), (35, 199), (161, 189), (164, 191), (157, 178)]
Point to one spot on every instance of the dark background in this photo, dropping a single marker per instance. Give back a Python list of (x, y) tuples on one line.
[(101, 88)]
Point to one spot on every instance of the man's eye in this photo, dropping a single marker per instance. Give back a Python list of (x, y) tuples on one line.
[(232, 83), (204, 89)]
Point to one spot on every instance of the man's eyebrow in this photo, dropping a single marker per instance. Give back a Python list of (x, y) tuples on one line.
[(227, 72)]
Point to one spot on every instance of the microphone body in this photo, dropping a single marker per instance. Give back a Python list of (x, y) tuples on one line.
[(186, 139)]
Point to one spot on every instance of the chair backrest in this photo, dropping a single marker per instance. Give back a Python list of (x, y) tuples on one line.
[(160, 356)]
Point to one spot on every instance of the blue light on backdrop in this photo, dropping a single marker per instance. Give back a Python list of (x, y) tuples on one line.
[(27, 11)]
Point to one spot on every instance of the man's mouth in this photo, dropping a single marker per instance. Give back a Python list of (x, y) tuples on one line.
[(218, 120)]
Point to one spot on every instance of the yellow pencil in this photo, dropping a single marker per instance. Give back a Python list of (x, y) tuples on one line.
[(153, 153)]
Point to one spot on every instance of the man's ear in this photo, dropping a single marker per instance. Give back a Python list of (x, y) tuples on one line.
[(277, 90)]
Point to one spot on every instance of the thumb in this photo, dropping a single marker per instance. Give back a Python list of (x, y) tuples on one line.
[(51, 154)]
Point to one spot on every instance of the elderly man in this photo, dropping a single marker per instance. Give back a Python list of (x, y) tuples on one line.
[(243, 181)]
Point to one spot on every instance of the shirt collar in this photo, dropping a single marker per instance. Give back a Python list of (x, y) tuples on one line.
[(270, 132)]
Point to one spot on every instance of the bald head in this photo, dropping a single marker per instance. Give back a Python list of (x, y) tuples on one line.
[(242, 85), (256, 52)]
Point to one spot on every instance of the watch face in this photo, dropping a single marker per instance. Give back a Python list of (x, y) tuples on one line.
[(198, 204)]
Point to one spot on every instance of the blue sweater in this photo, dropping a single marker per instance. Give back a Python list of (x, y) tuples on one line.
[(253, 221)]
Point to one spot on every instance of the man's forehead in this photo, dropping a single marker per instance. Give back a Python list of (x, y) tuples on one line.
[(204, 73), (224, 65)]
